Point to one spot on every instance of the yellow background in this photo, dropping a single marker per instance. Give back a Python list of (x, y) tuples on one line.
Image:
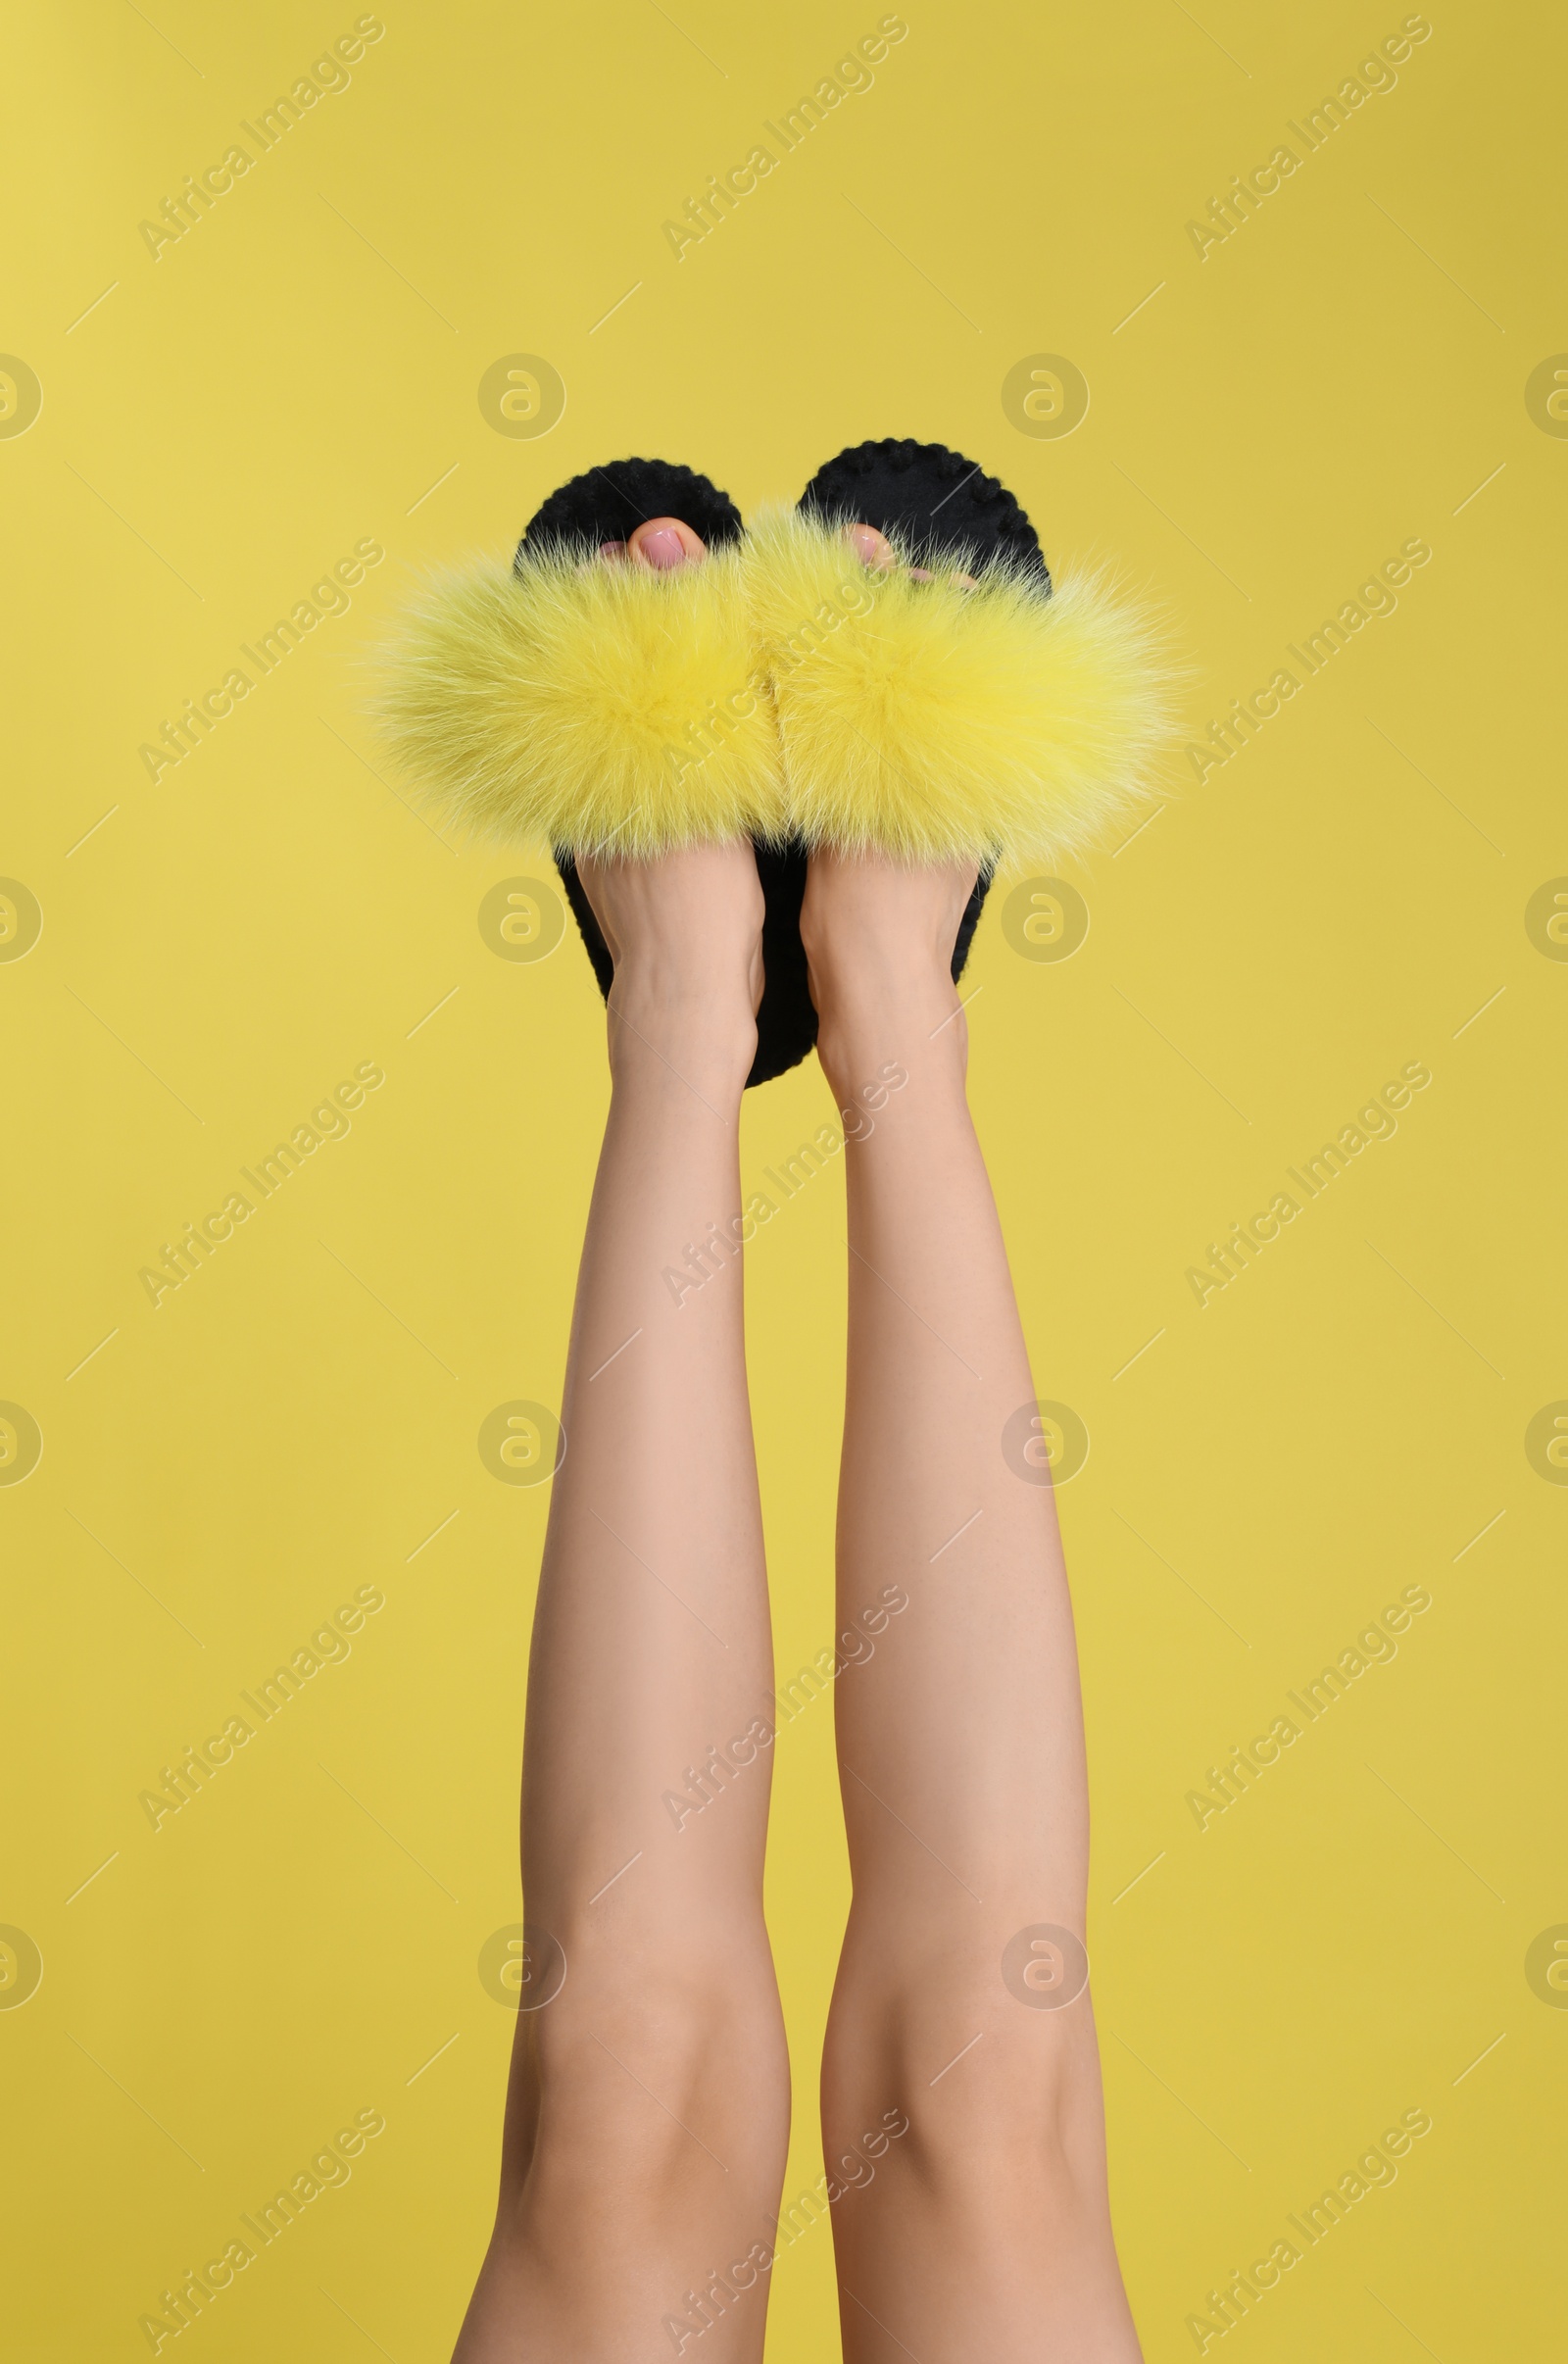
[(1275, 420)]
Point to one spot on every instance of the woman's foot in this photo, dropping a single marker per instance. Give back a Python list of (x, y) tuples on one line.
[(684, 930), (685, 933), (878, 937)]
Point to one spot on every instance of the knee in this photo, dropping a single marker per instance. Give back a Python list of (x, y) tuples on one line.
[(958, 2070), (651, 2040)]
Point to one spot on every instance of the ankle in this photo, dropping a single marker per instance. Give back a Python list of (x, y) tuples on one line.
[(667, 1019), (878, 938), (859, 955), (684, 931), (880, 1032)]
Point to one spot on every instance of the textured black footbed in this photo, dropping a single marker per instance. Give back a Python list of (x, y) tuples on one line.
[(610, 503), (939, 505)]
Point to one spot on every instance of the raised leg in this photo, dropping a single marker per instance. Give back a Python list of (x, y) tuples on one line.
[(648, 2113), (960, 2094)]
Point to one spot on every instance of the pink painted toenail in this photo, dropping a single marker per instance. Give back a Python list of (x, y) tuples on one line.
[(663, 548), (612, 550)]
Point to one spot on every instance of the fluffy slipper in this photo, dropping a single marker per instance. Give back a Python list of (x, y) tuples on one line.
[(560, 700), (1004, 721)]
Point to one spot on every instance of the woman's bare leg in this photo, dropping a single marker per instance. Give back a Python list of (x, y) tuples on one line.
[(984, 2234), (647, 2112)]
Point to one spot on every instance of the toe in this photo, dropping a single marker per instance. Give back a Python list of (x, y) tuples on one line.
[(877, 553), (665, 542), (873, 548)]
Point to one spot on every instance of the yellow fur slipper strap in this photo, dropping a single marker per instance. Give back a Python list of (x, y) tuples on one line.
[(970, 710), (573, 702)]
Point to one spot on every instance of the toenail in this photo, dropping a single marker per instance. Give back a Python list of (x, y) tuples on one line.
[(663, 548), (612, 550), (869, 544)]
